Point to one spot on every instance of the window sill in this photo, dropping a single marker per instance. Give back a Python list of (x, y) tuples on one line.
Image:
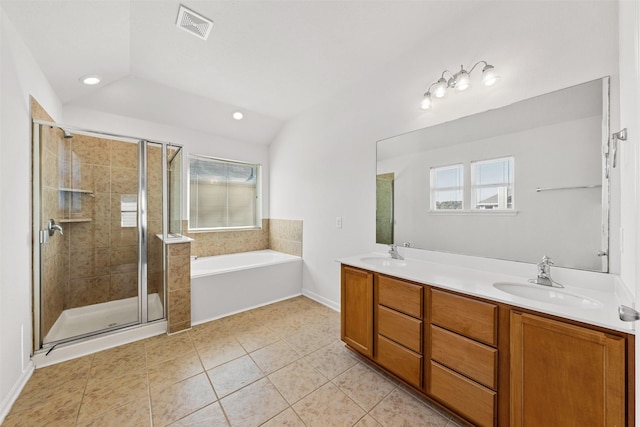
[(488, 212)]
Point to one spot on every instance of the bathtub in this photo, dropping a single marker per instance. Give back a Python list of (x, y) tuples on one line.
[(226, 284)]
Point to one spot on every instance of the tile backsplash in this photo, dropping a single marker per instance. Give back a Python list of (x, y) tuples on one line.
[(282, 235)]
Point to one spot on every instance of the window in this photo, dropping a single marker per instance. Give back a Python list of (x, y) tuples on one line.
[(447, 185), (128, 210), (492, 184), (223, 194)]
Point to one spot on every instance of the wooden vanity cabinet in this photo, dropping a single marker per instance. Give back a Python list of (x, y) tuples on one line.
[(356, 311), (565, 375), (488, 363), (398, 328), (463, 367)]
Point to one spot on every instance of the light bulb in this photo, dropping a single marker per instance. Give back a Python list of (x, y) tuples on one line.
[(462, 81), (426, 101), (489, 76), (440, 88), (238, 115)]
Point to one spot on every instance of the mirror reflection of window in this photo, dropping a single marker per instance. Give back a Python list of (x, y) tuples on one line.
[(447, 188), (492, 184)]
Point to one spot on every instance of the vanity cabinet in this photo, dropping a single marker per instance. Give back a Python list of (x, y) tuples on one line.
[(488, 363), (356, 312), (565, 375), (398, 328), (464, 357)]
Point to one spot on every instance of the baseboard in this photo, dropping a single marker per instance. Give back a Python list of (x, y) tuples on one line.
[(322, 300), (15, 391)]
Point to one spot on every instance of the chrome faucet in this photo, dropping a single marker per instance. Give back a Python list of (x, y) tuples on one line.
[(393, 251), (544, 274)]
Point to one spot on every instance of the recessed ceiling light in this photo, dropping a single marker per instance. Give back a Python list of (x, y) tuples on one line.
[(90, 80), (238, 115)]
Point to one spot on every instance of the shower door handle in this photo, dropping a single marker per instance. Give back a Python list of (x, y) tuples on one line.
[(52, 227)]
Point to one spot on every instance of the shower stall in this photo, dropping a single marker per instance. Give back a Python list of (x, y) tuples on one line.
[(101, 205)]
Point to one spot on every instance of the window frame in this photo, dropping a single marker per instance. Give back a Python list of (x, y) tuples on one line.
[(258, 202), (509, 184), (433, 189)]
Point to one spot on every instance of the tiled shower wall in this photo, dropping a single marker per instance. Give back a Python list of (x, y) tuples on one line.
[(282, 235)]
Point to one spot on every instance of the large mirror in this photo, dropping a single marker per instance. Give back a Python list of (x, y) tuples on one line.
[(514, 183)]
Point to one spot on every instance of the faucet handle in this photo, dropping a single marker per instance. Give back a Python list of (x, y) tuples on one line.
[(547, 261)]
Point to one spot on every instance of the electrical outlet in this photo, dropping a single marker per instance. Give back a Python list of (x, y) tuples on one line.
[(338, 222)]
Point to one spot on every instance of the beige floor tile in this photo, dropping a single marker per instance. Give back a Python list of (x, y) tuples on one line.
[(274, 356), (286, 418), (106, 393), (234, 375), (308, 340), (256, 337), (254, 404), (119, 361), (364, 386), (181, 399), (209, 416), (44, 415), (68, 394), (367, 421), (220, 352), (167, 347), (328, 406), (332, 360), (136, 413), (297, 380), (51, 377), (400, 409), (163, 374)]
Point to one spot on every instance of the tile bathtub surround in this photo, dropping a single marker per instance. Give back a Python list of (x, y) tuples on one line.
[(282, 235), (250, 369), (178, 287)]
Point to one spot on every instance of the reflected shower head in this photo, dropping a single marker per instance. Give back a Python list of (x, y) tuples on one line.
[(66, 133)]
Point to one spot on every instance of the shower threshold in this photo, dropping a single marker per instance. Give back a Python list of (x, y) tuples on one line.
[(97, 317)]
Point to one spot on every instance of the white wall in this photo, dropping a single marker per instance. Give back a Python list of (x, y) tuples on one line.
[(193, 141), (20, 77), (323, 162)]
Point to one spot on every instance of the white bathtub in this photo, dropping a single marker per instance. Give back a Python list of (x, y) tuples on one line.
[(227, 284)]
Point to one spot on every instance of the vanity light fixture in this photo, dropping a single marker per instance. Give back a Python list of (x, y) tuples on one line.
[(459, 81), (90, 80)]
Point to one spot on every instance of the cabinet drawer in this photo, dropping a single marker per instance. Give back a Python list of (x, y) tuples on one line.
[(469, 317), (468, 398), (401, 361), (400, 328), (399, 295), (468, 357)]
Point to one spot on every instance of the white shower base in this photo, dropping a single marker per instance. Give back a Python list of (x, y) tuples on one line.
[(97, 317)]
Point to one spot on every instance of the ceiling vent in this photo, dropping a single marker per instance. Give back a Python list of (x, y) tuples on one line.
[(194, 23)]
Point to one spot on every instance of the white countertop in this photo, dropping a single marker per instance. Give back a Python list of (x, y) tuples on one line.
[(479, 283)]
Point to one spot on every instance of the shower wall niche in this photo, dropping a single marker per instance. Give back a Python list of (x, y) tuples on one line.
[(90, 185)]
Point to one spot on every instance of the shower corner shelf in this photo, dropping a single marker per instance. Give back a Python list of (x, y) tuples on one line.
[(76, 190), (68, 220)]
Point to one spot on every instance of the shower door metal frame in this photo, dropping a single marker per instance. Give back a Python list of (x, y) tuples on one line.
[(39, 236)]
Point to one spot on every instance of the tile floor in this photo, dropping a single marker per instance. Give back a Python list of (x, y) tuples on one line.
[(278, 365)]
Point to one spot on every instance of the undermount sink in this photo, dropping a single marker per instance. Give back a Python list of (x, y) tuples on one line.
[(383, 262), (547, 294)]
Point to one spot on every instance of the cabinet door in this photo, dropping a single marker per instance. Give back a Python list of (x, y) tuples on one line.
[(356, 309), (565, 375)]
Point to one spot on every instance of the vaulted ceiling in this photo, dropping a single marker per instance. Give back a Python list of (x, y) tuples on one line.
[(270, 59)]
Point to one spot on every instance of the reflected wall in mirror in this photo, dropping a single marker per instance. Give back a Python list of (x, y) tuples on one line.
[(514, 183)]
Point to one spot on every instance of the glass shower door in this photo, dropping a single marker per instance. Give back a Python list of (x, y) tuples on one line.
[(89, 259)]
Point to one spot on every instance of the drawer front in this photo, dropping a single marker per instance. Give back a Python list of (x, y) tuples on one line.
[(466, 316), (468, 357), (400, 328), (403, 362), (400, 295), (468, 398)]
